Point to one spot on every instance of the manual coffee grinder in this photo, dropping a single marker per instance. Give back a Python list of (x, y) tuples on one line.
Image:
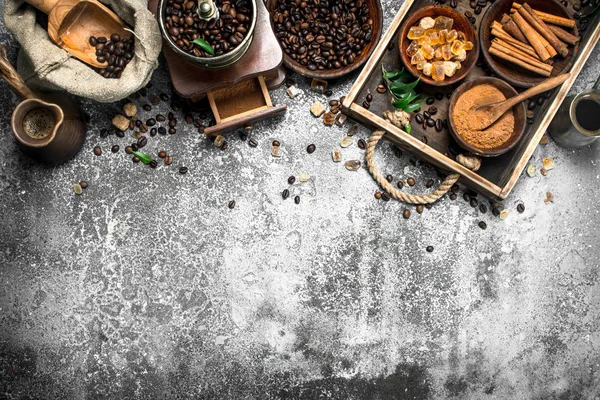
[(237, 83)]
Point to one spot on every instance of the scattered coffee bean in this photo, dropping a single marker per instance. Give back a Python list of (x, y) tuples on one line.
[(97, 150), (378, 195), (153, 164), (406, 214), (439, 96), (291, 180), (135, 159), (155, 100), (285, 194), (172, 131), (311, 148), (84, 184), (521, 208), (297, 199), (531, 104), (369, 97), (385, 196), (453, 196), (150, 122), (430, 101), (362, 144), (162, 130), (432, 110), (276, 143), (183, 170), (474, 203), (439, 125), (482, 225), (420, 208), (430, 123), (147, 107), (467, 197), (411, 181), (115, 148), (389, 178), (252, 142), (128, 149), (482, 208), (429, 183), (419, 119), (231, 204), (162, 154), (400, 184), (430, 248)]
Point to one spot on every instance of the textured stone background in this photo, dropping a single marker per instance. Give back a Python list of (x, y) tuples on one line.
[(147, 286)]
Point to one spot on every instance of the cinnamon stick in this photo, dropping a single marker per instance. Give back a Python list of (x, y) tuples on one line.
[(500, 34), (550, 18), (513, 60), (543, 30), (532, 36), (519, 56), (534, 57), (564, 35), (512, 29)]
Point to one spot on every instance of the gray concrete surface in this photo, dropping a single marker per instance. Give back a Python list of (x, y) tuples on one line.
[(148, 287)]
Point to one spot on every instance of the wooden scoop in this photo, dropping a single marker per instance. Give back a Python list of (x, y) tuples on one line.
[(72, 22), (486, 115)]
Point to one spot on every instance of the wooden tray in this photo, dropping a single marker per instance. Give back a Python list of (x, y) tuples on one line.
[(498, 175)]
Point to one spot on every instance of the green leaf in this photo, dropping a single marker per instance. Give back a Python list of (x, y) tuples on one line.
[(145, 158), (414, 106), (204, 45), (398, 87), (405, 102)]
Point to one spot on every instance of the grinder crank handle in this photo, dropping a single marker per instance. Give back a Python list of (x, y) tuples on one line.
[(8, 72)]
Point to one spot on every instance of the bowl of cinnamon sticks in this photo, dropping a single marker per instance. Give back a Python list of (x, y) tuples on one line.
[(527, 42)]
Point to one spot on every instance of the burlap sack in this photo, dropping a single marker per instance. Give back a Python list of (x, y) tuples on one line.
[(43, 65)]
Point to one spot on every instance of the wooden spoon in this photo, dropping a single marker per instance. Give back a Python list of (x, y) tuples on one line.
[(486, 115), (72, 22)]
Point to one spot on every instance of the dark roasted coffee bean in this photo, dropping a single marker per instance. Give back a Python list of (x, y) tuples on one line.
[(155, 100), (430, 248), (168, 160), (183, 170), (97, 150), (531, 105), (474, 203), (135, 159), (453, 196), (411, 181), (429, 183), (143, 141), (419, 118), (231, 204), (432, 110), (420, 208), (297, 199), (482, 208), (285, 194), (162, 130), (477, 10), (150, 122), (160, 117), (366, 104), (134, 146), (430, 100), (311, 148), (276, 143), (291, 180), (115, 148), (369, 97), (120, 133), (439, 96), (147, 107), (153, 164), (495, 211), (93, 41), (153, 132), (540, 100), (362, 144), (84, 184), (406, 214), (467, 197), (252, 142), (430, 123), (162, 154), (389, 178), (482, 225), (400, 184), (426, 115), (439, 125), (385, 196), (173, 123), (128, 149), (521, 208), (115, 38), (172, 131)]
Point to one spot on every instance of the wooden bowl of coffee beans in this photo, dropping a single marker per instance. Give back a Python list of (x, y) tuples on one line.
[(317, 39), (228, 32)]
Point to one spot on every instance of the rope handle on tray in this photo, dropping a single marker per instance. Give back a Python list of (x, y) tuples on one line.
[(470, 162)]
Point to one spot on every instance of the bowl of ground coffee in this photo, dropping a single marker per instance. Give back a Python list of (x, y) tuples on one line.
[(212, 34), (498, 138), (326, 39)]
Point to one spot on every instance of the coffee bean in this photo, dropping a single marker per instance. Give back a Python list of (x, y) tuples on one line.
[(467, 197), (400, 184), (495, 211), (453, 196), (150, 122), (531, 104), (411, 181), (430, 100), (172, 131), (93, 41), (297, 199), (162, 130), (291, 180), (385, 196), (430, 248), (147, 107), (84, 184), (311, 148), (128, 149), (381, 89), (252, 142), (366, 104), (420, 208), (540, 100), (439, 96), (173, 123), (120, 133), (97, 150), (369, 97), (168, 160), (406, 214), (521, 208), (155, 100), (473, 202), (153, 164), (439, 125), (482, 225), (160, 117), (231, 204), (453, 3), (426, 115), (419, 118), (115, 148), (285, 194), (482, 208), (429, 183), (183, 170), (430, 123), (362, 144), (135, 159), (143, 141)]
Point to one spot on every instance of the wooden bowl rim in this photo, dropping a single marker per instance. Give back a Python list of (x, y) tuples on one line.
[(333, 73), (517, 134), (493, 63), (471, 60)]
